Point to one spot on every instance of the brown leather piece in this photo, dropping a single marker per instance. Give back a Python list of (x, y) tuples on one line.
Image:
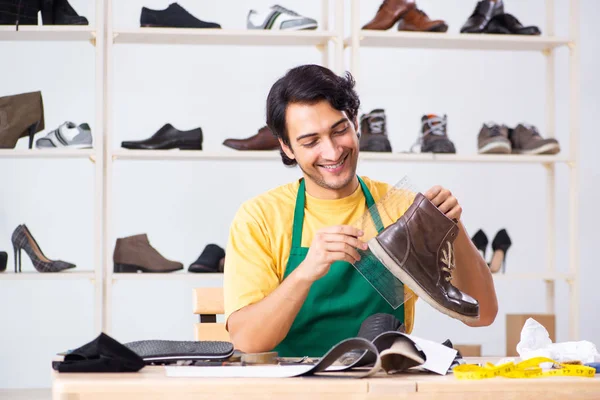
[(389, 13), (17, 114), (416, 20), (136, 250), (263, 140), (420, 244)]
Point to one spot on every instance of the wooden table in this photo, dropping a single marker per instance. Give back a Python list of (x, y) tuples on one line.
[(151, 383)]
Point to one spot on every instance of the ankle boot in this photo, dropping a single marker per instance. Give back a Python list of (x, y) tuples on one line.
[(19, 12), (418, 250), (20, 115), (134, 253), (373, 132), (60, 12)]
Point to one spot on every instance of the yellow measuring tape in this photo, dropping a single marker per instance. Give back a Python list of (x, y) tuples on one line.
[(525, 369)]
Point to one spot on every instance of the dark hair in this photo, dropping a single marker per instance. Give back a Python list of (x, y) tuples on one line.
[(308, 84)]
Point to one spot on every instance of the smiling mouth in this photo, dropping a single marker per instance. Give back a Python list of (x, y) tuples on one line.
[(335, 166)]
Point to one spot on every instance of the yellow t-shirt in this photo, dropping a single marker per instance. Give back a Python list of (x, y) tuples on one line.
[(260, 237)]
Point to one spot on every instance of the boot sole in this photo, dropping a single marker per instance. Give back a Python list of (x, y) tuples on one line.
[(550, 148), (406, 279), (495, 148), (120, 268)]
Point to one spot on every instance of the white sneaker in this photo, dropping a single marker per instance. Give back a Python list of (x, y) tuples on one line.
[(67, 135), (279, 18)]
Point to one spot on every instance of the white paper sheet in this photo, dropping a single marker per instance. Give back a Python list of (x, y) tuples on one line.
[(439, 357)]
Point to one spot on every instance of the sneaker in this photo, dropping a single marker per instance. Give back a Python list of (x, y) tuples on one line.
[(279, 18), (373, 133), (67, 135), (173, 16), (526, 139), (433, 138), (493, 139)]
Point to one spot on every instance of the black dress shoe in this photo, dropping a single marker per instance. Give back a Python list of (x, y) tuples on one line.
[(174, 16), (508, 24), (19, 12), (167, 138), (212, 259), (3, 259), (482, 15)]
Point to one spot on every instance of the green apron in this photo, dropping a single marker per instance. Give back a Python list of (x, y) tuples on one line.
[(337, 303)]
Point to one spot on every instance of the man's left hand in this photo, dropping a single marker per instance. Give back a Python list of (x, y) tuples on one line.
[(444, 200)]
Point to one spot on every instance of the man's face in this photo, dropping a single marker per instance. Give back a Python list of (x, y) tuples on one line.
[(324, 143)]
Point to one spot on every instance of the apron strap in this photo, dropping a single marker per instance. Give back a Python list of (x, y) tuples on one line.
[(299, 212)]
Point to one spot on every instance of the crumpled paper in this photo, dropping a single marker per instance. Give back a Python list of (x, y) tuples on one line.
[(536, 342)]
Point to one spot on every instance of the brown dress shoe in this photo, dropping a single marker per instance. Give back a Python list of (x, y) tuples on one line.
[(418, 250), (526, 139), (263, 140), (389, 12), (417, 21), (20, 115), (134, 253)]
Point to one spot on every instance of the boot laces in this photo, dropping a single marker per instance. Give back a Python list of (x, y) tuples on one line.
[(435, 126), (448, 261), (376, 125)]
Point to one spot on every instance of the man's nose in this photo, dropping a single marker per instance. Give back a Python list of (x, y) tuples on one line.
[(330, 150)]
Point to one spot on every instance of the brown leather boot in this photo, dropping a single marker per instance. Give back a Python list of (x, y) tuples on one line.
[(263, 140), (373, 133), (417, 21), (134, 253), (389, 12), (418, 250), (20, 115)]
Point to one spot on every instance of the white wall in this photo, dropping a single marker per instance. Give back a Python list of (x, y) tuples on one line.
[(185, 205)]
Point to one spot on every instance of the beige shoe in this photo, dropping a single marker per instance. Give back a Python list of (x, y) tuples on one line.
[(135, 254)]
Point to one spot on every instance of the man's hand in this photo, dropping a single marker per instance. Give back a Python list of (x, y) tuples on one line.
[(334, 243), (444, 201)]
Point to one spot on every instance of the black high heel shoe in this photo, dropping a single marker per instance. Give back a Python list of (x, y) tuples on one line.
[(3, 259), (60, 12), (480, 241), (22, 239), (500, 246)]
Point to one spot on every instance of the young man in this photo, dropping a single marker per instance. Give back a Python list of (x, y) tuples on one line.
[(290, 285)]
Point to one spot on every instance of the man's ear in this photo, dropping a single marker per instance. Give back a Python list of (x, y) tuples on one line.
[(355, 122), (286, 149)]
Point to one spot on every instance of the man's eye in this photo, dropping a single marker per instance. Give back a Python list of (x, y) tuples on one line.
[(340, 132), (310, 144)]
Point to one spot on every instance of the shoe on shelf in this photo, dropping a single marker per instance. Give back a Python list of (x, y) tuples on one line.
[(433, 137), (373, 132), (526, 139), (279, 18), (484, 11), (493, 139), (173, 16), (60, 12), (19, 12), (212, 260), (22, 239), (67, 135), (264, 139), (388, 13), (416, 20), (500, 246), (3, 260), (418, 250), (480, 241), (167, 138), (135, 254), (21, 115), (509, 25)]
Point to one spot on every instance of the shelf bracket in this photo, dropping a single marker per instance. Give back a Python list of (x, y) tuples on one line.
[(93, 158), (571, 45), (547, 166), (547, 52), (115, 35), (93, 39)]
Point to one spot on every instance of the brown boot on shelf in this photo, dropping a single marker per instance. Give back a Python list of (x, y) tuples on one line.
[(263, 140), (418, 250), (134, 253), (20, 115), (526, 139), (389, 12), (417, 21)]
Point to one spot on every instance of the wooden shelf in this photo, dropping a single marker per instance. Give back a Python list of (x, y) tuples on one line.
[(167, 276), (34, 33), (47, 276), (123, 154), (425, 40), (47, 153), (222, 37)]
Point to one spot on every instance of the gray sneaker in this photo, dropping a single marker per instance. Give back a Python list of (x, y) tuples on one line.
[(493, 139), (67, 135), (279, 18), (526, 139)]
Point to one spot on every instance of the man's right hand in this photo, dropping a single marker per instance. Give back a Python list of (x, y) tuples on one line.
[(334, 243)]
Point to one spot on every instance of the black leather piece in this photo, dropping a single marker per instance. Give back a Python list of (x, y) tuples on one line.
[(174, 16), (3, 260), (103, 354), (171, 350), (168, 137), (508, 24), (209, 260), (379, 323)]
